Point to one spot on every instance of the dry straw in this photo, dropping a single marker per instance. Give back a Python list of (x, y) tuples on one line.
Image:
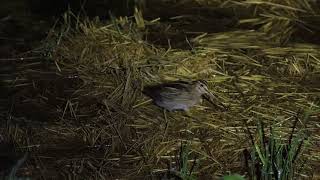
[(254, 76), (108, 128)]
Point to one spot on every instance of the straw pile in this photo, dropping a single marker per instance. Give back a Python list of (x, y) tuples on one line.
[(108, 128), (257, 79)]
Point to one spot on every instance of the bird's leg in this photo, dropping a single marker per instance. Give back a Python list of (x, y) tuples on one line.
[(166, 125), (188, 113)]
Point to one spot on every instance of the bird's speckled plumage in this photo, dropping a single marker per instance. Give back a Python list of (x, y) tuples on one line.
[(177, 95)]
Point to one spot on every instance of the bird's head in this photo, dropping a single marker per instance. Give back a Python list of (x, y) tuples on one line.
[(201, 87)]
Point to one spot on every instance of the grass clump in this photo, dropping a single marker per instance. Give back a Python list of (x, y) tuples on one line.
[(273, 157)]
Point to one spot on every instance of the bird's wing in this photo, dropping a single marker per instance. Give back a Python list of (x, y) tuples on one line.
[(174, 94), (180, 85), (168, 91)]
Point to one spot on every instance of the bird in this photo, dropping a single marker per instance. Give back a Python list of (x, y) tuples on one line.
[(178, 95)]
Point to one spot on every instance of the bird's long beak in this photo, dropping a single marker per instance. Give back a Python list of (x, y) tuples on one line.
[(213, 99)]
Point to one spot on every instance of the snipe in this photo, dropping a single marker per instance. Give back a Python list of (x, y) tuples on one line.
[(179, 95)]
